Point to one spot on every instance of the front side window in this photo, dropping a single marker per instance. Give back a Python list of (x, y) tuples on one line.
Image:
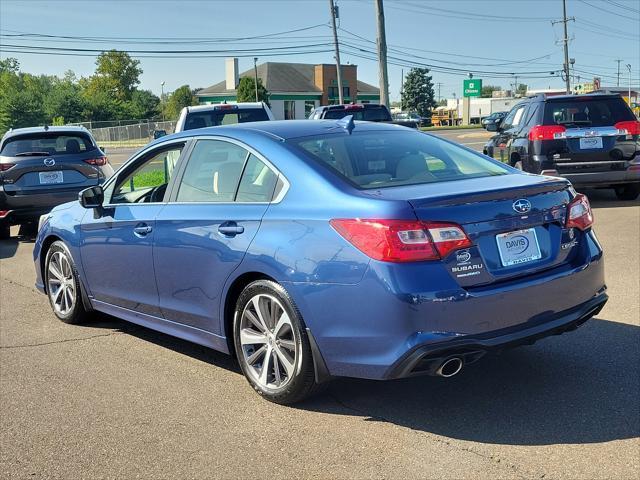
[(387, 159), (148, 181), (513, 117)]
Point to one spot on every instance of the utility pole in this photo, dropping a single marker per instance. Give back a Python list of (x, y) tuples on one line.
[(334, 13), (383, 78), (515, 85), (618, 60), (565, 40), (629, 68), (255, 75), (439, 85)]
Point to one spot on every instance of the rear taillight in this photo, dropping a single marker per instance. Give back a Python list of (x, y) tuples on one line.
[(6, 166), (547, 132), (579, 214), (630, 127), (402, 240), (4, 213), (97, 162)]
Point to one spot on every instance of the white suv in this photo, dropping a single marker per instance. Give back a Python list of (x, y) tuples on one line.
[(201, 116)]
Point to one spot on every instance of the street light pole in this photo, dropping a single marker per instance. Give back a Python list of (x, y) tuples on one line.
[(255, 74)]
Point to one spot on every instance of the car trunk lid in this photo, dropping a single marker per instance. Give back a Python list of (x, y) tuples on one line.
[(515, 222)]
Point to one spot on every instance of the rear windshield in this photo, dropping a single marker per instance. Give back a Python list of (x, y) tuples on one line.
[(587, 112), (214, 118), (40, 144), (368, 114), (387, 159)]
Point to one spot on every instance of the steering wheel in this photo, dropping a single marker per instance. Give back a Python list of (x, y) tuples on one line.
[(157, 194)]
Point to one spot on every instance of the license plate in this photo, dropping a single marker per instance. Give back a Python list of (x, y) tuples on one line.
[(520, 246), (589, 143), (51, 177)]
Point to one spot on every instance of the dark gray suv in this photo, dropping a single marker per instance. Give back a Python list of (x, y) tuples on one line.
[(42, 167)]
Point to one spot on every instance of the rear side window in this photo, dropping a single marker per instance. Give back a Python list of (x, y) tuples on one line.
[(219, 171), (49, 144), (224, 117), (387, 159), (587, 112), (213, 172)]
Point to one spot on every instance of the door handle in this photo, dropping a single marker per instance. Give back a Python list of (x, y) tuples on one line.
[(142, 230), (230, 229)]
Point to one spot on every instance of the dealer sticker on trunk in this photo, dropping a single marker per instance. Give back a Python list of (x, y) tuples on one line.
[(520, 246)]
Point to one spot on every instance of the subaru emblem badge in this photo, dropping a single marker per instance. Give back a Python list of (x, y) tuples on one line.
[(522, 205), (49, 162)]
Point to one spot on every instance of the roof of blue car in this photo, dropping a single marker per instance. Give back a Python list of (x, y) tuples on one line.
[(286, 129)]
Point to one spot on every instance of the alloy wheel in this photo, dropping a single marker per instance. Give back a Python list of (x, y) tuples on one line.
[(270, 347), (61, 283)]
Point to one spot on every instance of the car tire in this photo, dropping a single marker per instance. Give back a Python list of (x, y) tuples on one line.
[(630, 191), (5, 230), (63, 285), (272, 345)]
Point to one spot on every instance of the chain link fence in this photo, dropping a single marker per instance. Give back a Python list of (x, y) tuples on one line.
[(126, 132)]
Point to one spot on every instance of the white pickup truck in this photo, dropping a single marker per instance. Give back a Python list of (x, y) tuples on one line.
[(201, 116)]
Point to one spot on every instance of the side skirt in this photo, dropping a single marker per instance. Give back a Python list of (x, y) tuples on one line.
[(185, 332)]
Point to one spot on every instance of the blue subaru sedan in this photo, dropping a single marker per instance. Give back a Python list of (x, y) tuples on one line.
[(311, 250)]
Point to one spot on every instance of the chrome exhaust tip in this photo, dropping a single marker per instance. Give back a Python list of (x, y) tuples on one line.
[(450, 367)]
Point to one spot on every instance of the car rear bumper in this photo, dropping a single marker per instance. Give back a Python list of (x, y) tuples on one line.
[(401, 313), (425, 360), (30, 207), (582, 174)]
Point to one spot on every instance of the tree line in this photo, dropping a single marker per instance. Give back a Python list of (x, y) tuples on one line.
[(111, 93)]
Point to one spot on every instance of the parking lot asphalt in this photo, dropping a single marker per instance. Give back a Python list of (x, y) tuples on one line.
[(113, 400)]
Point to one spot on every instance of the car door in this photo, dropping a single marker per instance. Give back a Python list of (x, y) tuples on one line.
[(205, 230), (117, 239), (508, 130)]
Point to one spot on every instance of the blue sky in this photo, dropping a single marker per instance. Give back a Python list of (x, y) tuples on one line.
[(506, 36)]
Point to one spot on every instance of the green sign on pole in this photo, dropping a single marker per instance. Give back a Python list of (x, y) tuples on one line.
[(472, 87)]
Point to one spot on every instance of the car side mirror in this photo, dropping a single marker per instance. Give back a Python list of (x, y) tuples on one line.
[(492, 127), (92, 197)]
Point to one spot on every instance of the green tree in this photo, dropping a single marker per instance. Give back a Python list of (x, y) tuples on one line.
[(522, 89), (65, 99), (180, 98), (247, 91), (121, 72), (143, 104), (417, 92), (487, 90)]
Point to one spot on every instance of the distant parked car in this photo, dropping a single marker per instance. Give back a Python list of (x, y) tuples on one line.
[(494, 119), (370, 112), (159, 133), (413, 117), (201, 116), (313, 249), (42, 167), (592, 140)]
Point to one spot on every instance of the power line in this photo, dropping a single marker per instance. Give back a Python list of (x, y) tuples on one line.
[(624, 7), (607, 11)]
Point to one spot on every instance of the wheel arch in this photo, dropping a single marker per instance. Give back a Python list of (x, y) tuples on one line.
[(231, 297)]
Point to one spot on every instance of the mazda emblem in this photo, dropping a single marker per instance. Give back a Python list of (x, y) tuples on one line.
[(522, 206), (49, 162)]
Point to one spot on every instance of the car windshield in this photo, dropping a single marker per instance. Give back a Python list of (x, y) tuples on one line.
[(587, 112), (213, 118), (368, 114), (387, 159), (46, 143)]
